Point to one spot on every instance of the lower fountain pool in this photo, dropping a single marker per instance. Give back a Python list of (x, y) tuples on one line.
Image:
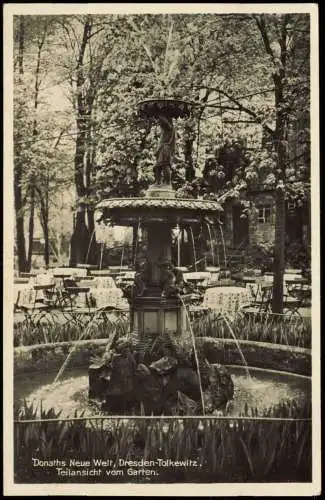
[(262, 390)]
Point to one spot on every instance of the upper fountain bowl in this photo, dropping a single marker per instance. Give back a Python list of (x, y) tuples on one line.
[(126, 211), (173, 108)]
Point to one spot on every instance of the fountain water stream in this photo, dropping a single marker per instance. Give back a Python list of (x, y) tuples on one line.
[(83, 334), (193, 246), (102, 246), (217, 247), (122, 257), (223, 245), (136, 241), (90, 242), (224, 317), (211, 243), (195, 353)]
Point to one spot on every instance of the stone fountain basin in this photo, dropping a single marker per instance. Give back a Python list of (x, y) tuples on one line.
[(277, 372), (264, 389), (49, 357)]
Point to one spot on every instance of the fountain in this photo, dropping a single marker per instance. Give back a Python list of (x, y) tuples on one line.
[(159, 296), (160, 366)]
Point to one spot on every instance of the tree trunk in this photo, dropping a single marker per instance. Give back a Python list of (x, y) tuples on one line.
[(188, 151), (279, 141), (279, 252), (93, 246), (31, 230), (46, 245), (20, 233), (44, 219), (80, 240)]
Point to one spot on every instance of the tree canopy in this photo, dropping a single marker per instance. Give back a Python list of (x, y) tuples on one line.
[(78, 80)]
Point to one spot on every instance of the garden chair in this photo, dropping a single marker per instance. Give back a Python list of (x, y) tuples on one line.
[(297, 295), (37, 313), (103, 304), (75, 295), (261, 297)]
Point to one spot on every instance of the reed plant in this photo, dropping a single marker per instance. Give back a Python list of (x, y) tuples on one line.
[(294, 331), (278, 330), (52, 331), (224, 450)]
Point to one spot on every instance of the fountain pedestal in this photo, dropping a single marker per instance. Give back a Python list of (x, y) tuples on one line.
[(158, 307), (150, 315)]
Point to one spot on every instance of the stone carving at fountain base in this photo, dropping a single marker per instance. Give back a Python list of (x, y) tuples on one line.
[(156, 378), (158, 298)]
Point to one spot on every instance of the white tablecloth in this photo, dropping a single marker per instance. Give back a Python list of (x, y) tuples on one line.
[(25, 293), (103, 282), (109, 297), (226, 299)]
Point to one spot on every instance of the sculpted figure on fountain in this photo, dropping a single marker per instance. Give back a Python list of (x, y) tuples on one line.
[(165, 151)]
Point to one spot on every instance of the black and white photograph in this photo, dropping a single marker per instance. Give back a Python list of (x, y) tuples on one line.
[(161, 256)]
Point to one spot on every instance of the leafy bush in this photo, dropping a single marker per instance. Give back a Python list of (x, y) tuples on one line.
[(262, 257), (298, 256)]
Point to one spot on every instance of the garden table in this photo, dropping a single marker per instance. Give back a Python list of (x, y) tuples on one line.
[(87, 267), (28, 294), (199, 279), (226, 300), (249, 279), (118, 270), (220, 303), (103, 273), (103, 282), (109, 297), (28, 275), (66, 272), (21, 281), (111, 302)]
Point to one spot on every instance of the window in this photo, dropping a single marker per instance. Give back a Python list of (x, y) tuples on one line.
[(264, 214)]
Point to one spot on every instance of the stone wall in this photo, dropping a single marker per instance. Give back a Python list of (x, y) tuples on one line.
[(257, 354), (49, 357), (261, 232)]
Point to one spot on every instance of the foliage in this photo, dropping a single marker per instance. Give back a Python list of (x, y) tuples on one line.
[(233, 67), (290, 331), (298, 256), (294, 331), (262, 256), (232, 450), (52, 329)]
